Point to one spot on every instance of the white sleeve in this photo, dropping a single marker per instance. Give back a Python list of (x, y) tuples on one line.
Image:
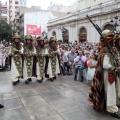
[(46, 51), (106, 62), (22, 50)]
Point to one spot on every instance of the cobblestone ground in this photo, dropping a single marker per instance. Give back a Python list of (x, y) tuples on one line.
[(63, 99)]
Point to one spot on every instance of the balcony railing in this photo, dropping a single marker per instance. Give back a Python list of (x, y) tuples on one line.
[(5, 15)]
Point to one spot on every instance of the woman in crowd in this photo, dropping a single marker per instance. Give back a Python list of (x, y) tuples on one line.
[(91, 67)]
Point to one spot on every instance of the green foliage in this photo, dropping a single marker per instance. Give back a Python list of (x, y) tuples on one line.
[(5, 30)]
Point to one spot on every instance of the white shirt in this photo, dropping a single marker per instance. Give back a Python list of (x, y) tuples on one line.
[(83, 58)]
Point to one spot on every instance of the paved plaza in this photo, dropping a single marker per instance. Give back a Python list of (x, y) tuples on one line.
[(63, 99)]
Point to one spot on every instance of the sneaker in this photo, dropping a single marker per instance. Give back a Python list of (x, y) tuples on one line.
[(40, 80), (29, 79), (75, 78), (1, 106), (116, 115), (81, 80)]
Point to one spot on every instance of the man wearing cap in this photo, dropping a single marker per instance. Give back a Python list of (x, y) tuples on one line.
[(105, 89), (41, 51), (16, 59), (53, 65), (29, 53)]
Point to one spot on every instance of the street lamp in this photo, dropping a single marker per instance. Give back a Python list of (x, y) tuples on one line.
[(115, 22), (44, 34), (63, 31)]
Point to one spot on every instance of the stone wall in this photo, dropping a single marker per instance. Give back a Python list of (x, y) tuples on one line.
[(101, 14)]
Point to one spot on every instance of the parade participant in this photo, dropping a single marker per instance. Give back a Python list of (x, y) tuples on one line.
[(29, 53), (3, 56), (16, 59), (53, 65), (41, 50), (105, 89)]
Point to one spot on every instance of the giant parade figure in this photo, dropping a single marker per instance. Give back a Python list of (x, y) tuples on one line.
[(105, 88)]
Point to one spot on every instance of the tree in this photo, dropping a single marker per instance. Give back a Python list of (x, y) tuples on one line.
[(5, 30)]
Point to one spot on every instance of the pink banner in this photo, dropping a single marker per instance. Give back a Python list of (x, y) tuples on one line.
[(33, 29)]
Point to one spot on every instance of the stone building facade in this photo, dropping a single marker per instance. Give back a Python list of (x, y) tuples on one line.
[(4, 13), (77, 25)]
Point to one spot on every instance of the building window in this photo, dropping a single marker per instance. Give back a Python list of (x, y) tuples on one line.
[(82, 35), (10, 7), (5, 19), (54, 33), (16, 7), (16, 2), (4, 11)]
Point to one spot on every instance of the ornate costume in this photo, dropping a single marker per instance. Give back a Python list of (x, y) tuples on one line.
[(29, 53), (105, 89), (53, 64), (41, 53), (16, 59), (3, 56)]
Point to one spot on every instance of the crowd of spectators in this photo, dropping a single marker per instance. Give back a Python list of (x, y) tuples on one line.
[(4, 49), (79, 59)]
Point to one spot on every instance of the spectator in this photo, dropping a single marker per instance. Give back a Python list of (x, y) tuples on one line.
[(91, 67), (64, 62), (76, 50), (79, 65), (1, 44), (66, 51), (71, 56), (87, 55)]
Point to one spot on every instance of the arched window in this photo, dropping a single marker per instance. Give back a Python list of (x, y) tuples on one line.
[(108, 26), (54, 33), (82, 35), (65, 35)]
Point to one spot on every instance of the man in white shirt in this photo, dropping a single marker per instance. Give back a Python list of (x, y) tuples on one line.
[(79, 65), (65, 61)]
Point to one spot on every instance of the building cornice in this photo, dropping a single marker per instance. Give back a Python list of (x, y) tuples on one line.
[(97, 10)]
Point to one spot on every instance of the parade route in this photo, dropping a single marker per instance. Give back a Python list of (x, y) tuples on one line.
[(63, 99)]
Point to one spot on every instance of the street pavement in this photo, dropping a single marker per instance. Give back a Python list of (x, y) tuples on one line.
[(63, 99)]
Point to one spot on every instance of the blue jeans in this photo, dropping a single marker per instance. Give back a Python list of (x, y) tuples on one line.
[(80, 69), (67, 65), (63, 70)]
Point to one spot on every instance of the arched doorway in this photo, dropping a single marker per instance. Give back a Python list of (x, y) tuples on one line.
[(54, 34), (108, 26), (65, 35), (82, 35)]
